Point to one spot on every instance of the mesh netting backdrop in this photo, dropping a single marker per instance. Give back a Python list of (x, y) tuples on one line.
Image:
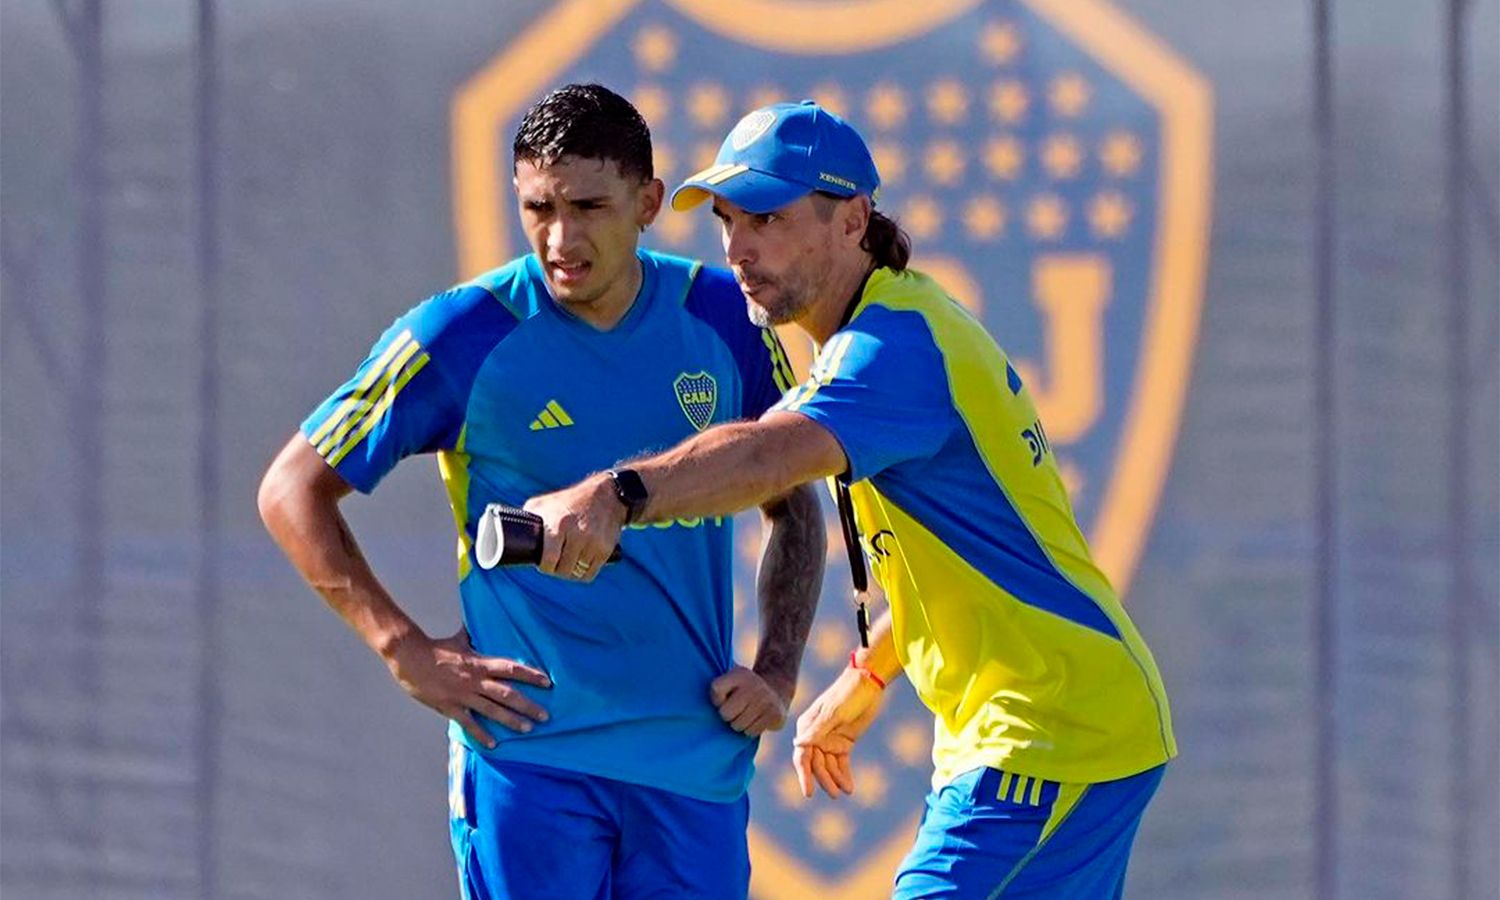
[(182, 718)]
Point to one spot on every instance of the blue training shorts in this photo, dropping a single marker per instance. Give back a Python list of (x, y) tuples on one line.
[(522, 831), (993, 834)]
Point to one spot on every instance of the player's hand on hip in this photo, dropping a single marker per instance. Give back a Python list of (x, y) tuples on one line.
[(447, 676), (828, 730), (580, 528), (747, 702)]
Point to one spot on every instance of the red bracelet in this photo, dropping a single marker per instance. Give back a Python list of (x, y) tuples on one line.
[(865, 670)]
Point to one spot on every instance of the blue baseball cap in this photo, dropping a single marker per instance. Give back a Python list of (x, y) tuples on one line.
[(780, 153)]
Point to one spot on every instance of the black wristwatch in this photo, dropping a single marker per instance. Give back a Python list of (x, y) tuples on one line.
[(629, 490)]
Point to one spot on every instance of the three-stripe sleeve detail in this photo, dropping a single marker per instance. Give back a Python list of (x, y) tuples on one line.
[(824, 370), (781, 368), (357, 416)]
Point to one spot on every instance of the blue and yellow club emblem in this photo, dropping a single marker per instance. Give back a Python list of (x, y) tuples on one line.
[(1052, 161), (698, 395)]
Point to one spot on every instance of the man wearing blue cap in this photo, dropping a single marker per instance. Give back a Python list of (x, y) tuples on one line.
[(1053, 727)]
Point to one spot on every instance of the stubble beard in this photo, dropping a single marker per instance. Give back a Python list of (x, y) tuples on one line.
[(787, 305)]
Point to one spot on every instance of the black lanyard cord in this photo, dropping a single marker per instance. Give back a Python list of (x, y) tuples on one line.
[(857, 569)]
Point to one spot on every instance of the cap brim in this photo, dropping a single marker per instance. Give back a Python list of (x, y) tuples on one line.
[(750, 189)]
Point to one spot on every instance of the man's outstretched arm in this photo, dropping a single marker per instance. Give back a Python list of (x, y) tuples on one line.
[(299, 503), (721, 471)]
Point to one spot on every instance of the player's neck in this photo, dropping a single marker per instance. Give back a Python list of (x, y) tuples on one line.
[(611, 306), (836, 302)]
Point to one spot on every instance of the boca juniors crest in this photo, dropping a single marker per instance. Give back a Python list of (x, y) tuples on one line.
[(1051, 161), (698, 395)]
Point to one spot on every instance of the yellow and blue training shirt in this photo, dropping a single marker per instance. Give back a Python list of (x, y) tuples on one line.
[(1007, 629), (518, 397)]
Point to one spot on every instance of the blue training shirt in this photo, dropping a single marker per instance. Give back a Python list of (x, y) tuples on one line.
[(519, 397)]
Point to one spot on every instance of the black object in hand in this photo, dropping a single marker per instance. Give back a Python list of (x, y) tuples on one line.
[(512, 537)]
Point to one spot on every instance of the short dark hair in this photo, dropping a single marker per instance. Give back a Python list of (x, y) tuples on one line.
[(589, 121), (884, 239)]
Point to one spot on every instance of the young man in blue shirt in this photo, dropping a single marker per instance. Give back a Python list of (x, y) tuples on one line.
[(602, 735)]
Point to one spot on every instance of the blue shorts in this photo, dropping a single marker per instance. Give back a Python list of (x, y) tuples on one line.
[(527, 831), (992, 834)]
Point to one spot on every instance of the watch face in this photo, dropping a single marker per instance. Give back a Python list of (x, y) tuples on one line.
[(629, 488)]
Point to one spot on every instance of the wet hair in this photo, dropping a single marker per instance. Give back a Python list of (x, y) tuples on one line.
[(884, 238), (588, 121)]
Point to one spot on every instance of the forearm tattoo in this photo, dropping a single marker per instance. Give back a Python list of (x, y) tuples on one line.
[(791, 574)]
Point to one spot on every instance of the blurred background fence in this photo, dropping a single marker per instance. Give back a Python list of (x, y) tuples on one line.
[(208, 211)]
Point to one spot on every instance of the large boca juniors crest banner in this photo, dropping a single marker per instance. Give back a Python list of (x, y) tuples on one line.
[(1051, 162)]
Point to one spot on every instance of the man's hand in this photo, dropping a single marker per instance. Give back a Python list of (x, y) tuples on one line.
[(580, 527), (828, 730), (450, 678), (748, 703)]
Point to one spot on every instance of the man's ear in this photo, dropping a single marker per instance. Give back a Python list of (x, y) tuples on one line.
[(856, 218), (649, 202)]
